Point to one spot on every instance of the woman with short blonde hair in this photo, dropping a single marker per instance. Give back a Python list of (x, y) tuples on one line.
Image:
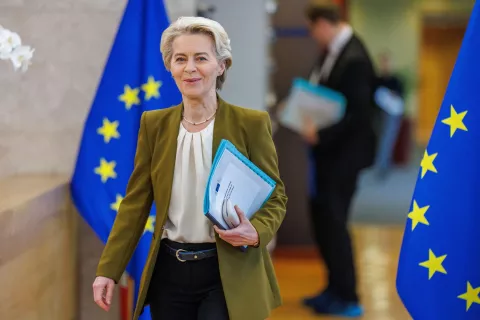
[(198, 25), (195, 270)]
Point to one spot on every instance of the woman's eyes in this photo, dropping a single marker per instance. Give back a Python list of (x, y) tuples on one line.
[(198, 58)]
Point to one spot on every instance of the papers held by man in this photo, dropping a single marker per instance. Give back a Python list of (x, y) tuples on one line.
[(322, 106)]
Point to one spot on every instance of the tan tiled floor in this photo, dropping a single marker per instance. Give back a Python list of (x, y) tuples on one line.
[(377, 250)]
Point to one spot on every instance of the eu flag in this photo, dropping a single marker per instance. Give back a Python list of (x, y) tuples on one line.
[(439, 267), (134, 80)]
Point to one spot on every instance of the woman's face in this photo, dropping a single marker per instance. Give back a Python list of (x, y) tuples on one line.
[(194, 65)]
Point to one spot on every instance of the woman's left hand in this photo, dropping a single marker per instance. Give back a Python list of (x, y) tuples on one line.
[(244, 234)]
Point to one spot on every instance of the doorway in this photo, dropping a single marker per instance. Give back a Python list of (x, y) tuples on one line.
[(438, 53)]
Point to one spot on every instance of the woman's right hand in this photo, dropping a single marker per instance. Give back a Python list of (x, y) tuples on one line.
[(103, 292)]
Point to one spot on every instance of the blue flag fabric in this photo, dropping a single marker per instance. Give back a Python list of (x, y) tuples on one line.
[(438, 273), (134, 80)]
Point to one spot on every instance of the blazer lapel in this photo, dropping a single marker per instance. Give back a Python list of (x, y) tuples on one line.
[(219, 129), (166, 161)]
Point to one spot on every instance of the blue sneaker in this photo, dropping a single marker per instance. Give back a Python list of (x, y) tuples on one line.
[(322, 299), (340, 308)]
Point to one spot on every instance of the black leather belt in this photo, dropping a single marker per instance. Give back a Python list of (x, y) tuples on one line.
[(185, 255)]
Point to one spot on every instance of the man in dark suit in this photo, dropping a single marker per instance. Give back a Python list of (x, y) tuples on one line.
[(339, 153)]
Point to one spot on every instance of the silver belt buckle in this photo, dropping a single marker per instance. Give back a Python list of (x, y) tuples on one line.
[(177, 255)]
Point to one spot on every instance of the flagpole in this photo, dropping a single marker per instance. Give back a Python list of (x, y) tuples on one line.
[(124, 298)]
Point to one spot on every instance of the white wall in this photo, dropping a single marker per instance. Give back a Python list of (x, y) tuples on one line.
[(246, 23), (178, 8)]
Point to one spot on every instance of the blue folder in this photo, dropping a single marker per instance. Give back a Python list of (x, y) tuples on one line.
[(268, 183)]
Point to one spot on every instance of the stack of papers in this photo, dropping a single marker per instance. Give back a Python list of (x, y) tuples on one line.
[(323, 106), (235, 177)]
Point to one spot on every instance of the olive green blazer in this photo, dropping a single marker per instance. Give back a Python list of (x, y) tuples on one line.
[(248, 279)]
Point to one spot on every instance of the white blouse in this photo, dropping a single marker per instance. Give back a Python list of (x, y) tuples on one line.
[(186, 222)]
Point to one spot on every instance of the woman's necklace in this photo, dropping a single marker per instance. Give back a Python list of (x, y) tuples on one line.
[(198, 123)]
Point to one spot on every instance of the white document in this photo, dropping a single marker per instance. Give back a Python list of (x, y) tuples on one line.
[(238, 187), (323, 106), (389, 102), (235, 177)]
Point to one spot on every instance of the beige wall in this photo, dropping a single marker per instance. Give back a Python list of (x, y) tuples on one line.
[(38, 241), (41, 119), (42, 111)]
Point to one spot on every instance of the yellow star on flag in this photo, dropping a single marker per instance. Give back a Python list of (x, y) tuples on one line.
[(471, 296), (418, 215), (434, 264), (427, 163), (455, 121), (130, 97), (116, 205), (106, 170), (150, 225), (108, 130), (151, 88)]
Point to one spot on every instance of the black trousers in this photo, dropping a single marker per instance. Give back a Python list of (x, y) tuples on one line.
[(190, 290), (330, 209)]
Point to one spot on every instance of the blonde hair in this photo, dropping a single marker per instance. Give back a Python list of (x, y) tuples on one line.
[(198, 25)]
